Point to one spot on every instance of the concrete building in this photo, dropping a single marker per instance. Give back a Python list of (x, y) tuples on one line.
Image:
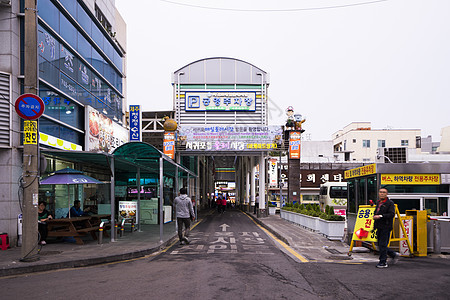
[(359, 142), (81, 70)]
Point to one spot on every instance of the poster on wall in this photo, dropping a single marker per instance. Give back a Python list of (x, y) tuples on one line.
[(169, 144), (127, 210), (102, 133), (294, 145)]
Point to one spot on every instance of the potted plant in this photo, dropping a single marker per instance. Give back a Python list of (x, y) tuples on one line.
[(272, 209)]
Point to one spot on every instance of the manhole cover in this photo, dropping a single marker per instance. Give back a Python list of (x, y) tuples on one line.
[(50, 252)]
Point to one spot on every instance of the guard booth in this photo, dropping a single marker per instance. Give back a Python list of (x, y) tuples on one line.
[(414, 187)]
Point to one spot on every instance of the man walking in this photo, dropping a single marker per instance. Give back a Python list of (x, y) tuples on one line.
[(184, 212), (384, 217)]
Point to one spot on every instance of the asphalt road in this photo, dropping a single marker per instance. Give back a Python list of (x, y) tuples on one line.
[(231, 257)]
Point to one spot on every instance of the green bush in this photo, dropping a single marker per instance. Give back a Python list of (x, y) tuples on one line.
[(335, 218), (272, 205), (331, 211)]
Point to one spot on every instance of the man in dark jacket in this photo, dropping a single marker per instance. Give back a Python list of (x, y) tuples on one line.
[(384, 217)]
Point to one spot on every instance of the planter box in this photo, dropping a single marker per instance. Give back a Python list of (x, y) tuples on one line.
[(272, 210), (333, 230)]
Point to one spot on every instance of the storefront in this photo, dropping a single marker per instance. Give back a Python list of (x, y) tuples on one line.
[(136, 175), (423, 186)]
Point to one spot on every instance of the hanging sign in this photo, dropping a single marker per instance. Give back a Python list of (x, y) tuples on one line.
[(273, 172), (220, 101), (169, 144), (361, 171), (294, 144), (135, 123), (410, 179), (29, 107), (30, 135)]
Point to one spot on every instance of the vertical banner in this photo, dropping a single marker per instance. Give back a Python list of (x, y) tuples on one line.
[(294, 145), (364, 224), (135, 123), (169, 144), (408, 223), (30, 136), (273, 172)]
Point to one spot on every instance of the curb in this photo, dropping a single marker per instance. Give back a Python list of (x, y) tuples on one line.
[(275, 233), (84, 262)]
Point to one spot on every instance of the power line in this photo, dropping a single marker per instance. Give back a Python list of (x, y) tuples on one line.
[(274, 10)]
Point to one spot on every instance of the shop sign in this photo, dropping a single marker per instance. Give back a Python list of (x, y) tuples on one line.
[(220, 101), (314, 178), (102, 133), (361, 171), (410, 179), (169, 144), (273, 172), (135, 123), (294, 144), (230, 138), (49, 140), (30, 133)]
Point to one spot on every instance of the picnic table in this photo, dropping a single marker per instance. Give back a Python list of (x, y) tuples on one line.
[(75, 227)]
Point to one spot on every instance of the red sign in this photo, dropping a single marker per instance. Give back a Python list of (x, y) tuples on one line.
[(294, 145), (29, 107), (169, 144)]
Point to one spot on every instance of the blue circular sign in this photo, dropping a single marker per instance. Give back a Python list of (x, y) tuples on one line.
[(29, 106)]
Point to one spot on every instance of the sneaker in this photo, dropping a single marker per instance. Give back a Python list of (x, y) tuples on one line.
[(181, 243), (395, 259), (381, 265), (43, 243), (186, 240)]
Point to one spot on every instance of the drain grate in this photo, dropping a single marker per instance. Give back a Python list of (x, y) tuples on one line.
[(333, 251)]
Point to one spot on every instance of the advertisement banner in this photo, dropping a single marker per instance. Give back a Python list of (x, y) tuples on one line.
[(103, 134), (135, 123), (49, 140), (294, 144), (361, 171), (230, 138), (220, 101), (30, 134), (408, 223), (273, 172), (128, 210), (169, 144)]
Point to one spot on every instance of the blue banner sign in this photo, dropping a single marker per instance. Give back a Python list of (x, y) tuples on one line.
[(135, 123)]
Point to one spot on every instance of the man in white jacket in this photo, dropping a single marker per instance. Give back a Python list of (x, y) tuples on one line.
[(184, 212)]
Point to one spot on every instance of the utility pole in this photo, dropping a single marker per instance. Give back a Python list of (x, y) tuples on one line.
[(30, 182)]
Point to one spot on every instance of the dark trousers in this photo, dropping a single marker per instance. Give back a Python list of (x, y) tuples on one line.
[(43, 231), (383, 241), (187, 225)]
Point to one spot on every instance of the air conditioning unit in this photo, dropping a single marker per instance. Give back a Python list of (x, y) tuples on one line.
[(398, 155)]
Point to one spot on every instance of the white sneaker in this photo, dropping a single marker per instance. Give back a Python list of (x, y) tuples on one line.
[(43, 243)]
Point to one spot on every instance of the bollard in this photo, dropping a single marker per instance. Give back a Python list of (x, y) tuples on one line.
[(132, 226), (122, 227), (115, 229), (100, 233)]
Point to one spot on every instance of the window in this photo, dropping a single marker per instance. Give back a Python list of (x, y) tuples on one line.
[(381, 143), (405, 143), (354, 141), (338, 192), (366, 143)]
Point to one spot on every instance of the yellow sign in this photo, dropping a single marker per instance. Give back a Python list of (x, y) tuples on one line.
[(364, 224), (410, 178), (262, 146), (30, 136), (361, 171)]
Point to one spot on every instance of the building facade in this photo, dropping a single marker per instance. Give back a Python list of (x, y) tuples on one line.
[(359, 142), (81, 71)]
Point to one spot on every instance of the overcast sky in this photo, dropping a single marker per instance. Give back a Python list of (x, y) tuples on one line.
[(335, 61)]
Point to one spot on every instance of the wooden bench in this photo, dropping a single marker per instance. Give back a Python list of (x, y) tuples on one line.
[(74, 227)]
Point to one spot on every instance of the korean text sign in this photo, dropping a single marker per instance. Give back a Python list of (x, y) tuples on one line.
[(135, 123), (364, 224), (294, 145)]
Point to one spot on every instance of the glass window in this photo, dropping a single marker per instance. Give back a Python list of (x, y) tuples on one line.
[(97, 36), (361, 198), (351, 197), (381, 143), (366, 143), (405, 142), (118, 61), (407, 204), (68, 31), (354, 141), (49, 13), (54, 129), (71, 7), (97, 61), (84, 48), (68, 86), (84, 20)]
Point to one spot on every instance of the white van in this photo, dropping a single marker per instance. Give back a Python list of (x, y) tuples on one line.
[(334, 194)]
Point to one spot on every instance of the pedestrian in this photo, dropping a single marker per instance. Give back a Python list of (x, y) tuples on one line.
[(184, 212), (224, 203), (384, 217), (256, 202), (43, 217), (219, 203)]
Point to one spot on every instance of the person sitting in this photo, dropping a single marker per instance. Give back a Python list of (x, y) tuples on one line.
[(76, 211), (43, 217)]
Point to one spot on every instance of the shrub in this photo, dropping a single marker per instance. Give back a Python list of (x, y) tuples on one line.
[(335, 218), (272, 205), (309, 207), (331, 211)]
